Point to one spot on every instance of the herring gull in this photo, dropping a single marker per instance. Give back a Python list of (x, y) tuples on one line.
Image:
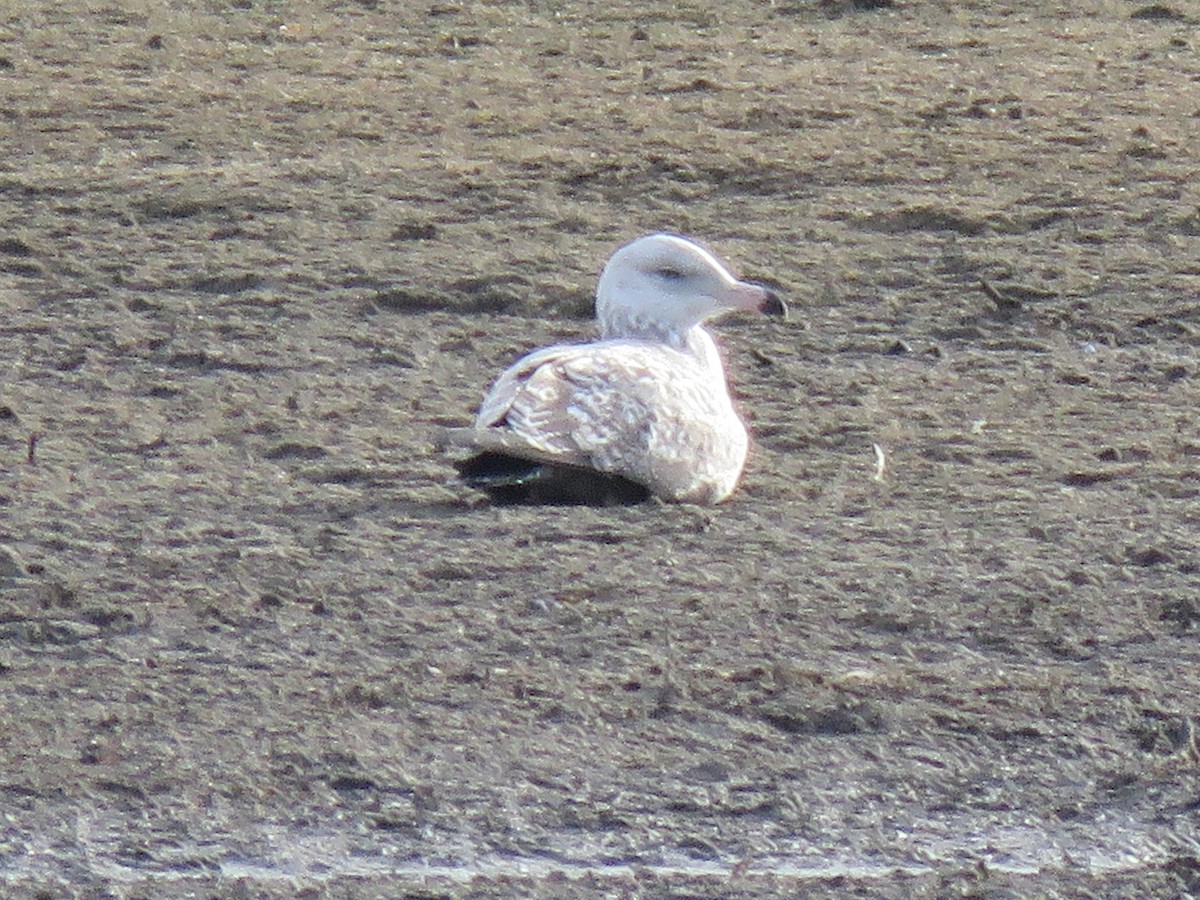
[(643, 411)]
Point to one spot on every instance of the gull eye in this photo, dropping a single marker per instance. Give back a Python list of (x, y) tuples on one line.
[(670, 273)]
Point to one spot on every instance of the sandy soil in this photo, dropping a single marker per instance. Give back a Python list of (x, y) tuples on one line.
[(255, 641)]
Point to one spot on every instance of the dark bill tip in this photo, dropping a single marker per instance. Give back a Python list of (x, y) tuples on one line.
[(772, 305)]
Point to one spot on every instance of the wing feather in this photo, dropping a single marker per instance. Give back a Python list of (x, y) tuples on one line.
[(641, 410)]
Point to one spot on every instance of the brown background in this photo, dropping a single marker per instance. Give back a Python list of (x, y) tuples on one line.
[(253, 638)]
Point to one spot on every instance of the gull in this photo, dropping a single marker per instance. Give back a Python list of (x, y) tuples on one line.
[(642, 411)]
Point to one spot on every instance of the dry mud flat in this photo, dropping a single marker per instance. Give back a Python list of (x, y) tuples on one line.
[(255, 642)]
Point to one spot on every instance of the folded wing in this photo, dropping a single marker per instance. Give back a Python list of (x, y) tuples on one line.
[(640, 411)]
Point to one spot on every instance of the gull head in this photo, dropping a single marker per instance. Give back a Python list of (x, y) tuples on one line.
[(662, 285)]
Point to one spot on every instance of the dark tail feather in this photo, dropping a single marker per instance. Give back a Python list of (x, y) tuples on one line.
[(511, 480)]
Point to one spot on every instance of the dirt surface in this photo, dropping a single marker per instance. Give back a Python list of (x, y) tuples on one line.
[(255, 641)]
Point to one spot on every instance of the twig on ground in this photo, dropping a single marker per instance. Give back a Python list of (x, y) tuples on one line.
[(1003, 301), (881, 462)]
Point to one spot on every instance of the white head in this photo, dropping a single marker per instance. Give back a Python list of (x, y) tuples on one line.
[(662, 285)]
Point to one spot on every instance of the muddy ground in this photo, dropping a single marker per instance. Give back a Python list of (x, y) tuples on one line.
[(255, 641)]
